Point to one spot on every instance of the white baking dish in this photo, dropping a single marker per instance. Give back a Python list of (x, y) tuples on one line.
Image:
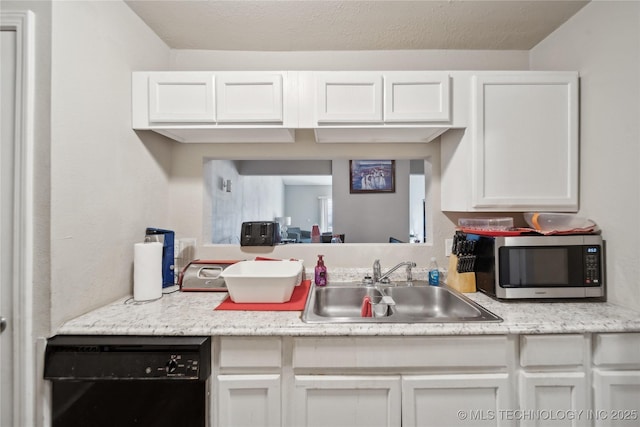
[(262, 281)]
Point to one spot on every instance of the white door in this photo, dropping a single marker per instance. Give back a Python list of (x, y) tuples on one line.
[(616, 398), (525, 147), (557, 394), (182, 97), (249, 98), (17, 55), (416, 97), (347, 401), (349, 97), (7, 133), (456, 400), (249, 400)]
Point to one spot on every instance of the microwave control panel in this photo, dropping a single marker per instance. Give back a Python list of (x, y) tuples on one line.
[(592, 255)]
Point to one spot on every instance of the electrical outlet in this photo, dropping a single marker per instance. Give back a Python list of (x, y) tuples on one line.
[(448, 244)]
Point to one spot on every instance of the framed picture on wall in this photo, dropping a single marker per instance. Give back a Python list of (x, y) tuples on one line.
[(372, 176)]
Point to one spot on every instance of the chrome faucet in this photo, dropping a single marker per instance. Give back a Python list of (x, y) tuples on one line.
[(376, 271), (378, 277)]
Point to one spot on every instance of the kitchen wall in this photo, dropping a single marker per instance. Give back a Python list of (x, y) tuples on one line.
[(602, 42), (107, 184)]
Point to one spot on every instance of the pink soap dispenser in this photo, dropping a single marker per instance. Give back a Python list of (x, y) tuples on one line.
[(321, 272)]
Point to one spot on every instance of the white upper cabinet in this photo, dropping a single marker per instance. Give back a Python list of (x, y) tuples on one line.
[(181, 98), (520, 150), (375, 106), (394, 97), (526, 141), (188, 106), (416, 97), (349, 97), (249, 98)]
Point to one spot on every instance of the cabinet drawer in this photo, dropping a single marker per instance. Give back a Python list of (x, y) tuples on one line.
[(552, 350), (250, 352), (402, 352), (617, 349)]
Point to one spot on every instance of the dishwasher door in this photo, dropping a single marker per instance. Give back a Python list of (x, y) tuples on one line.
[(129, 380)]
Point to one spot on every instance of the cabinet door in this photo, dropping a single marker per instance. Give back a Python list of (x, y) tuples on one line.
[(416, 97), (249, 98), (616, 398), (355, 401), (349, 97), (249, 400), (554, 398), (525, 147), (181, 97), (456, 400)]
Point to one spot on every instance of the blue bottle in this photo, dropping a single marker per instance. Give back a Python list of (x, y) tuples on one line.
[(434, 273)]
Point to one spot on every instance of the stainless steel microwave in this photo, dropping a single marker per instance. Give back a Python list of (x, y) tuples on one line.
[(524, 267)]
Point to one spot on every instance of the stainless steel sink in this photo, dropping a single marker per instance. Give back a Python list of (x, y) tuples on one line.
[(407, 304), (341, 302)]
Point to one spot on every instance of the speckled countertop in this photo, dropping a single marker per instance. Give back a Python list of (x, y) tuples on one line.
[(192, 313)]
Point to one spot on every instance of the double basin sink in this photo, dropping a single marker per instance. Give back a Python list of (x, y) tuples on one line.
[(400, 303)]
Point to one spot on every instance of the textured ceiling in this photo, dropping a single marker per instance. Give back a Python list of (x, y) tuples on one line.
[(311, 25)]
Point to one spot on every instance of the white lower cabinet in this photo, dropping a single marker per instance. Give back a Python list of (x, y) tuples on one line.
[(554, 398), (419, 381), (456, 400), (553, 384), (346, 400), (616, 380), (248, 382), (249, 400), (499, 380), (616, 398)]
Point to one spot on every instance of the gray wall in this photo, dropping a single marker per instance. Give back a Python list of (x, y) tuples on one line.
[(302, 205), (371, 218)]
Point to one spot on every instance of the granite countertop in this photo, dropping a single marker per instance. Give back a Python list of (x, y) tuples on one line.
[(192, 313)]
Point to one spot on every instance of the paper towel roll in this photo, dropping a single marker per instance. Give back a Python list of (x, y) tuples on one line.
[(147, 271)]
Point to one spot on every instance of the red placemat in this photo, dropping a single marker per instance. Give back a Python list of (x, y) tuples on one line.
[(296, 303)]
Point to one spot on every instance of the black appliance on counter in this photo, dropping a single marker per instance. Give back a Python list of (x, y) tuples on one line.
[(260, 233), (128, 380)]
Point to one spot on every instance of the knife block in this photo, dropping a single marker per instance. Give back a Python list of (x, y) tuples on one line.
[(461, 282)]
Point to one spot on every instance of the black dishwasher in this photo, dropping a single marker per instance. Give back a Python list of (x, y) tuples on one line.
[(128, 380)]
